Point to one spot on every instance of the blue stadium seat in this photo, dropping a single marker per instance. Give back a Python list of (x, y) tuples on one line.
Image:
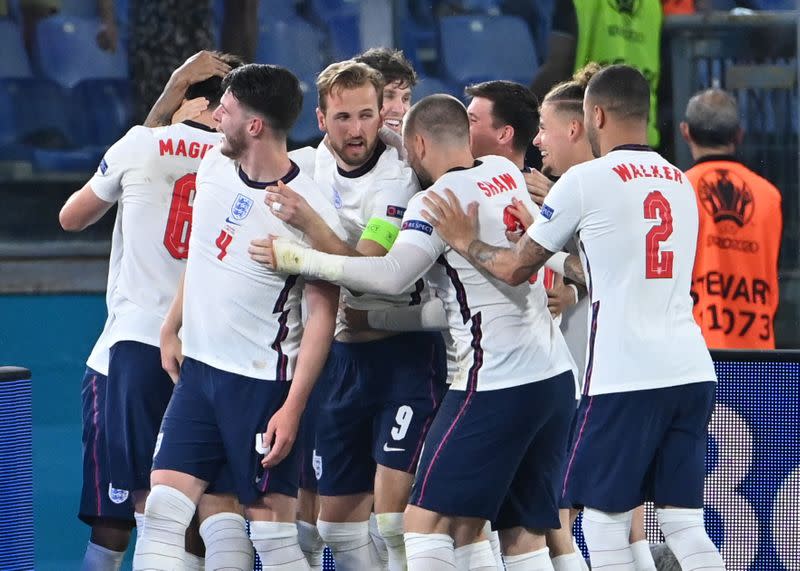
[(14, 60), (106, 106), (80, 8), (344, 32), (324, 9), (481, 48), (294, 44), (307, 129), (431, 85), (486, 6), (66, 51), (276, 10)]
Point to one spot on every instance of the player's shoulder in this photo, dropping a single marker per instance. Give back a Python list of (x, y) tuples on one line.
[(392, 168), (305, 158), (213, 160)]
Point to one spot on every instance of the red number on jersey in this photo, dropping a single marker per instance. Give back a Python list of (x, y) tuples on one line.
[(511, 222), (179, 223), (223, 240), (658, 264)]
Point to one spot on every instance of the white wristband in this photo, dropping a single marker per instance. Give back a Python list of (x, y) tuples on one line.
[(556, 262), (294, 258), (575, 291)]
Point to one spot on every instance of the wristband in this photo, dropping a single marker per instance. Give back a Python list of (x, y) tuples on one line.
[(575, 291), (556, 262)]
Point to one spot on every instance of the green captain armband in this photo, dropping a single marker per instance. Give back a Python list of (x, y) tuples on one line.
[(380, 231)]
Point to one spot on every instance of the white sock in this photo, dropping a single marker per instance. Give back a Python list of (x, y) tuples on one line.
[(277, 547), (538, 560), (568, 562), (430, 552), (311, 544), (476, 556), (494, 541), (99, 558), (380, 543), (227, 543), (351, 545), (578, 551), (606, 537), (167, 514), (390, 526), (642, 556), (139, 517), (685, 535), (192, 562)]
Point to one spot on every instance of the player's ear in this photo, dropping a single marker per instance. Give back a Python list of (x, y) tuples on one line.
[(599, 116), (506, 134), (321, 120), (575, 130), (255, 126), (685, 132), (419, 146)]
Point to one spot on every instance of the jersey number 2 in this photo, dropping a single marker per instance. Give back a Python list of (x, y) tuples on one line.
[(658, 264), (179, 223)]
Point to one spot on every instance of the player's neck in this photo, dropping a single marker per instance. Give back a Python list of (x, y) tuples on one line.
[(265, 161), (443, 162), (205, 119), (622, 134), (516, 157)]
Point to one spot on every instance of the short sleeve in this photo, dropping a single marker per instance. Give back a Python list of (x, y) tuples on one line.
[(118, 159), (415, 230), (392, 196), (560, 215)]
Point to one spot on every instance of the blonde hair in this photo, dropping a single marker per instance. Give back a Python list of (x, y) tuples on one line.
[(348, 74), (568, 95)]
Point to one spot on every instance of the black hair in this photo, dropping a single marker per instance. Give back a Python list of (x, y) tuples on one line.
[(622, 91), (512, 104), (211, 88), (268, 90), (392, 64)]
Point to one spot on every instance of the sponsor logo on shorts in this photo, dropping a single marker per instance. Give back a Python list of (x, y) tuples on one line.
[(103, 166), (116, 495), (159, 438), (387, 448), (241, 207), (418, 225), (395, 211), (316, 463), (547, 212)]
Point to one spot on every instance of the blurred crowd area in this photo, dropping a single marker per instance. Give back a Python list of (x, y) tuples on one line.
[(76, 74)]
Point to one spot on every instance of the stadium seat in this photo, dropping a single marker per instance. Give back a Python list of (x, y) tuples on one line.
[(107, 105), (344, 35), (65, 51), (307, 129), (481, 48), (323, 10), (80, 8), (294, 44), (14, 60)]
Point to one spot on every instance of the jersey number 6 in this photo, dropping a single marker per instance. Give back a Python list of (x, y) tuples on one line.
[(179, 222), (658, 265)]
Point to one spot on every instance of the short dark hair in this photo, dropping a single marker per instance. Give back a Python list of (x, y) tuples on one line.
[(211, 88), (568, 95), (713, 118), (392, 64), (268, 90), (622, 91), (443, 117), (512, 104)]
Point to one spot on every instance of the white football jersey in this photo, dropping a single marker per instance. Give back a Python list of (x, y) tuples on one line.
[(151, 173), (381, 188), (99, 357), (504, 335), (239, 316), (636, 217)]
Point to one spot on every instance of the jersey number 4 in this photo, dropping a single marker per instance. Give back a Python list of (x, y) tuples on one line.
[(658, 264), (179, 223)]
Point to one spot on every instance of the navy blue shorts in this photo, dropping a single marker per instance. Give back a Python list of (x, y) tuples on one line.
[(138, 393), (212, 420), (377, 401), (640, 445), (98, 499), (563, 502), (306, 442), (498, 455)]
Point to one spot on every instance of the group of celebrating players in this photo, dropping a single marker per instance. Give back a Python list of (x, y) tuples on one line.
[(307, 349)]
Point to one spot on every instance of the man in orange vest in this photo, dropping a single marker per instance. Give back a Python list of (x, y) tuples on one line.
[(735, 278)]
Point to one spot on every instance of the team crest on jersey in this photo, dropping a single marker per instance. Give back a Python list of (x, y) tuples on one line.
[(546, 211), (116, 495), (241, 207), (103, 166), (337, 199), (316, 463)]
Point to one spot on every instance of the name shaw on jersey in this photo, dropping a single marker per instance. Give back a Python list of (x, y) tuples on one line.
[(498, 185), (193, 150), (630, 171)]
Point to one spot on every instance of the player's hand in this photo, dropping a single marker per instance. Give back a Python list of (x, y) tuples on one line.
[(190, 109), (560, 297), (261, 251), (291, 207), (356, 319), (108, 36), (171, 354), (522, 213), (200, 67), (538, 185), (456, 227), (280, 435)]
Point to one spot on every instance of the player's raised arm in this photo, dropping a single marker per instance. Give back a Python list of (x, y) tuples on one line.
[(322, 302)]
